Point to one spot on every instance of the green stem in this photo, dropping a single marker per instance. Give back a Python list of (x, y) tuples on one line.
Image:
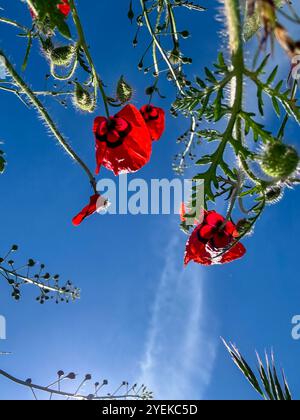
[(159, 47), (232, 11), (46, 118), (154, 46), (173, 28), (15, 24), (82, 42)]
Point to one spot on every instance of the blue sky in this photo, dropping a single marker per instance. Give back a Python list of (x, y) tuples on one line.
[(141, 316)]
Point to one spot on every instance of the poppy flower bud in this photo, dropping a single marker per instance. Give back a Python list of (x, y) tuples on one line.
[(62, 56), (175, 56), (274, 194), (124, 91), (279, 160), (185, 34), (155, 120), (83, 99)]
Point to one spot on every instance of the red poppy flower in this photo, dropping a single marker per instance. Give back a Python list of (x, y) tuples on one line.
[(210, 242), (96, 202), (155, 119), (63, 7), (123, 142)]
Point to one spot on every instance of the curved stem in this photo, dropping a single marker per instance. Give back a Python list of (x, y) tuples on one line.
[(159, 47), (83, 44), (47, 119), (173, 28), (66, 76), (66, 394)]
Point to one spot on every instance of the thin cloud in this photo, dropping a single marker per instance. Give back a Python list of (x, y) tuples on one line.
[(180, 353)]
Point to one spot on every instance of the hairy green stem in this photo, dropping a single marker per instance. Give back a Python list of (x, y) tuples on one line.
[(15, 24), (47, 118), (83, 44), (233, 15)]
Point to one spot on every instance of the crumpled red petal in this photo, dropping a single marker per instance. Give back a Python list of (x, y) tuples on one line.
[(89, 210), (135, 149), (196, 251), (155, 119), (207, 245)]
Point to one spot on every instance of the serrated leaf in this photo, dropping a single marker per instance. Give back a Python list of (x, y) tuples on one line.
[(276, 106), (272, 76), (204, 160)]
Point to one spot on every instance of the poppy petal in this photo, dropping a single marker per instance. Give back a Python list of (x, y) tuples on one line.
[(136, 148), (205, 244), (196, 251), (213, 218), (101, 148), (231, 229), (100, 126), (90, 209), (206, 232), (236, 252), (221, 240), (155, 119)]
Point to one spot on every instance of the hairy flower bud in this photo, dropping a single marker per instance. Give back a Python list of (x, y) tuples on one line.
[(124, 91), (83, 99), (279, 160), (274, 194), (62, 56)]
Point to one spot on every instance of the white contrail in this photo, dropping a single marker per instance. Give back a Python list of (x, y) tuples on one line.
[(180, 353)]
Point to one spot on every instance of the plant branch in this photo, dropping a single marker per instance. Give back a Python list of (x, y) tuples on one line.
[(76, 396), (83, 44), (47, 118)]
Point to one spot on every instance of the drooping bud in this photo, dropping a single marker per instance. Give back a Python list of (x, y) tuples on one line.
[(279, 160), (124, 91), (62, 56), (47, 45), (274, 194), (83, 99), (174, 56)]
